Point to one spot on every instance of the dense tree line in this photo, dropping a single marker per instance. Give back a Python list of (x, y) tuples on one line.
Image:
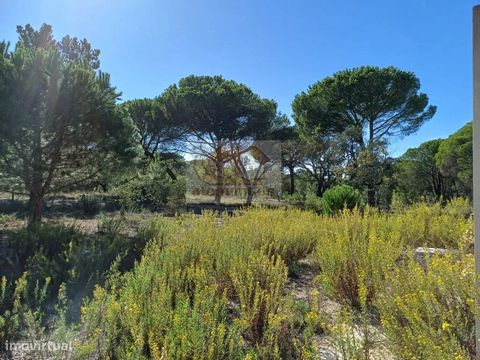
[(62, 126), (438, 169)]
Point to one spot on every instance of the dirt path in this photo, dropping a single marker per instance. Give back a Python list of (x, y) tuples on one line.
[(301, 287)]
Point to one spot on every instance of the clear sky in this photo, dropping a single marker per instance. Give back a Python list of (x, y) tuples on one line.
[(278, 48)]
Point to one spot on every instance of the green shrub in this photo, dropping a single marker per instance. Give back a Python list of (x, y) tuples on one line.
[(308, 201), (22, 309), (340, 197), (9, 319), (5, 218), (42, 251), (296, 199), (91, 258), (91, 204), (159, 230), (459, 208), (66, 256), (313, 202), (152, 189), (258, 282), (291, 233)]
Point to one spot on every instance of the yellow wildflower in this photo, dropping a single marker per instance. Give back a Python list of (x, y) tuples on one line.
[(445, 326)]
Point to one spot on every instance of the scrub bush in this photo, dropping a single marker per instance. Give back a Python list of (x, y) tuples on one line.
[(214, 287), (206, 288), (430, 314), (433, 225), (22, 309), (90, 204), (341, 197), (353, 253), (313, 202), (290, 233), (152, 189)]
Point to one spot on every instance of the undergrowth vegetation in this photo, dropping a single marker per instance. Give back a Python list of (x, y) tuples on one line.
[(205, 289), (210, 287), (430, 314)]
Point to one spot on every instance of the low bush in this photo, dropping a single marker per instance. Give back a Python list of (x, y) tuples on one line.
[(91, 258), (296, 199), (313, 202), (258, 282), (291, 233), (90, 204), (5, 218), (341, 197), (213, 287), (42, 251), (152, 189), (22, 309), (64, 255)]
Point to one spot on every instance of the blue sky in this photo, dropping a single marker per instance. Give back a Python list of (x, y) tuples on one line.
[(278, 48)]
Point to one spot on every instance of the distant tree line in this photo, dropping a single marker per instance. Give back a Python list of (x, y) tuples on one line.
[(62, 126), (437, 169)]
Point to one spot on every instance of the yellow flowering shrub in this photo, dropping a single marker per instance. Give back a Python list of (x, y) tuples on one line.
[(353, 253), (429, 314), (290, 233), (210, 287), (433, 225), (206, 288)]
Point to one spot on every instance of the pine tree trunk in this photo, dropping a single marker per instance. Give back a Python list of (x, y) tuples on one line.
[(219, 182), (292, 180), (319, 191), (36, 183), (370, 187), (249, 195), (370, 195), (36, 206)]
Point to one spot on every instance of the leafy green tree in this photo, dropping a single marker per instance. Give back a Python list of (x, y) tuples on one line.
[(71, 49), (59, 119), (158, 131), (370, 103), (418, 175), (374, 170), (152, 188), (291, 151), (455, 160), (437, 169), (321, 159), (214, 111)]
